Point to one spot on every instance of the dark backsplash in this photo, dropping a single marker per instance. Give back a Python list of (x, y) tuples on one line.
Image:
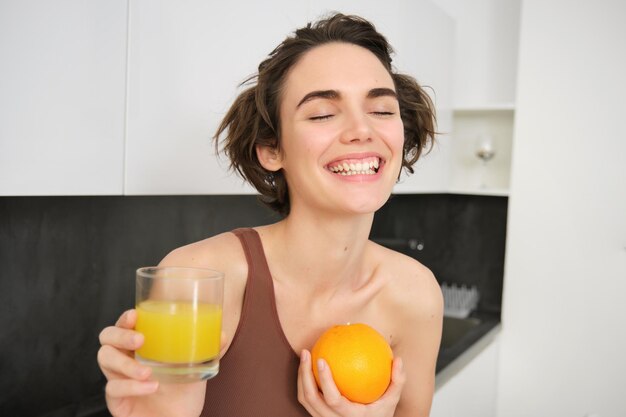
[(67, 271), (463, 238)]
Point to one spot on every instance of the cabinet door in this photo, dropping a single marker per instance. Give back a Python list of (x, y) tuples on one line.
[(62, 95), (425, 50), (486, 45), (185, 63), (472, 391)]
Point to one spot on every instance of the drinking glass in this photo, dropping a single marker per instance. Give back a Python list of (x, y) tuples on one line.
[(485, 151), (179, 313)]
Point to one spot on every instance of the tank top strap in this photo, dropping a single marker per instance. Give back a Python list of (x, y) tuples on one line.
[(259, 303), (253, 248)]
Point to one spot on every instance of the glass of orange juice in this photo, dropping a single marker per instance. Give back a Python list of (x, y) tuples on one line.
[(179, 313)]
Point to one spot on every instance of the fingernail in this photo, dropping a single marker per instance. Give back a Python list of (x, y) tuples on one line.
[(137, 339), (321, 365), (142, 372), (151, 386), (303, 356)]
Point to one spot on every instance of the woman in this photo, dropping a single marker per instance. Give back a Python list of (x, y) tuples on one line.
[(322, 135)]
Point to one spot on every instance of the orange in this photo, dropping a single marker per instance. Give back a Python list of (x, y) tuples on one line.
[(359, 359)]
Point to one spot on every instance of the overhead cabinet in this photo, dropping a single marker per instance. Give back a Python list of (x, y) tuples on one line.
[(62, 97), (186, 62), (124, 96)]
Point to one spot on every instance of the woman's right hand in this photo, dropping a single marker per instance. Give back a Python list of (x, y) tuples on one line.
[(130, 392)]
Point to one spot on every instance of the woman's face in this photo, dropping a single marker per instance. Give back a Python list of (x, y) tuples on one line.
[(341, 131)]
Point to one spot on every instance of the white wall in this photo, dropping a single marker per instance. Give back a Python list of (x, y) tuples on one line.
[(563, 345)]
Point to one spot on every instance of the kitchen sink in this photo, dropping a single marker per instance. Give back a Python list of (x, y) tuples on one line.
[(454, 329)]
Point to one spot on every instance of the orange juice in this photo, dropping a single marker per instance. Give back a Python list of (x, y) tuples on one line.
[(179, 332)]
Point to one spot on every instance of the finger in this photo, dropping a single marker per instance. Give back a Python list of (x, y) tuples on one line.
[(222, 343), (121, 338), (301, 370), (303, 391), (116, 364), (128, 319), (311, 398), (332, 396), (120, 388), (398, 377)]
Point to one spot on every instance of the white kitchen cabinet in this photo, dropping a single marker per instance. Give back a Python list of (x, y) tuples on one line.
[(467, 387), (185, 63), (123, 96), (485, 72), (62, 97), (186, 60), (486, 50)]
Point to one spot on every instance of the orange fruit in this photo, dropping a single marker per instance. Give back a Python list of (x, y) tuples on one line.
[(359, 359)]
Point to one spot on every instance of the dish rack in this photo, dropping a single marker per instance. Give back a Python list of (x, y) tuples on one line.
[(459, 300)]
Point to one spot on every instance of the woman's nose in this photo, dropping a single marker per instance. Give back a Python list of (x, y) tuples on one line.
[(356, 128)]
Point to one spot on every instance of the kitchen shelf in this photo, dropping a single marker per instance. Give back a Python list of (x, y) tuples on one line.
[(471, 125), (488, 108), (495, 192)]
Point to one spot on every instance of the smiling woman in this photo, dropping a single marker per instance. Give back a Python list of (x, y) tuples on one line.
[(338, 107), (322, 133), (255, 119)]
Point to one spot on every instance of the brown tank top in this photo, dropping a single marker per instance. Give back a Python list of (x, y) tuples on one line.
[(258, 374)]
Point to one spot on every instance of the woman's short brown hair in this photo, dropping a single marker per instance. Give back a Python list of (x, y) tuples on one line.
[(253, 119)]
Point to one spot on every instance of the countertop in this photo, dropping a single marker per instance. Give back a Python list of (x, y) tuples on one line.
[(462, 340)]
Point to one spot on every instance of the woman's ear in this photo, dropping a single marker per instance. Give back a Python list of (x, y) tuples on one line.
[(269, 157)]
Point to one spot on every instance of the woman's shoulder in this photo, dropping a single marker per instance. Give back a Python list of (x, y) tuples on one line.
[(411, 288), (222, 252)]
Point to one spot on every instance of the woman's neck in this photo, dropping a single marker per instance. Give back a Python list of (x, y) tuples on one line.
[(319, 254)]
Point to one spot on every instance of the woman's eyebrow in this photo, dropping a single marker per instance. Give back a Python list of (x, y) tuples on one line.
[(334, 94), (327, 94), (381, 92)]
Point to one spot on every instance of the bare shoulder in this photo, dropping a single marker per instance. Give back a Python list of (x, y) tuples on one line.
[(411, 291), (222, 252)]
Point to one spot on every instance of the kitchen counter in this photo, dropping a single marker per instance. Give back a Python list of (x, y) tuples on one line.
[(462, 340)]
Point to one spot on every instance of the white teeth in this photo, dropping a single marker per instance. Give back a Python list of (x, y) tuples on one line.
[(357, 168)]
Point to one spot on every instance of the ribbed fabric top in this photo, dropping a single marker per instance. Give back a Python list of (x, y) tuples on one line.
[(258, 374)]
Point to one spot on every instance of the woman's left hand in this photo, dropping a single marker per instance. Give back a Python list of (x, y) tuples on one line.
[(330, 402)]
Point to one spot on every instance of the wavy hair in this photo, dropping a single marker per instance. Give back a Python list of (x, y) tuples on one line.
[(253, 119)]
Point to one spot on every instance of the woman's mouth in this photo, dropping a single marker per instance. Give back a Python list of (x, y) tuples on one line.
[(352, 166)]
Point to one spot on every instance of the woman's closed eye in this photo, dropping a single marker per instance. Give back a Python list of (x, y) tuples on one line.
[(321, 117)]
